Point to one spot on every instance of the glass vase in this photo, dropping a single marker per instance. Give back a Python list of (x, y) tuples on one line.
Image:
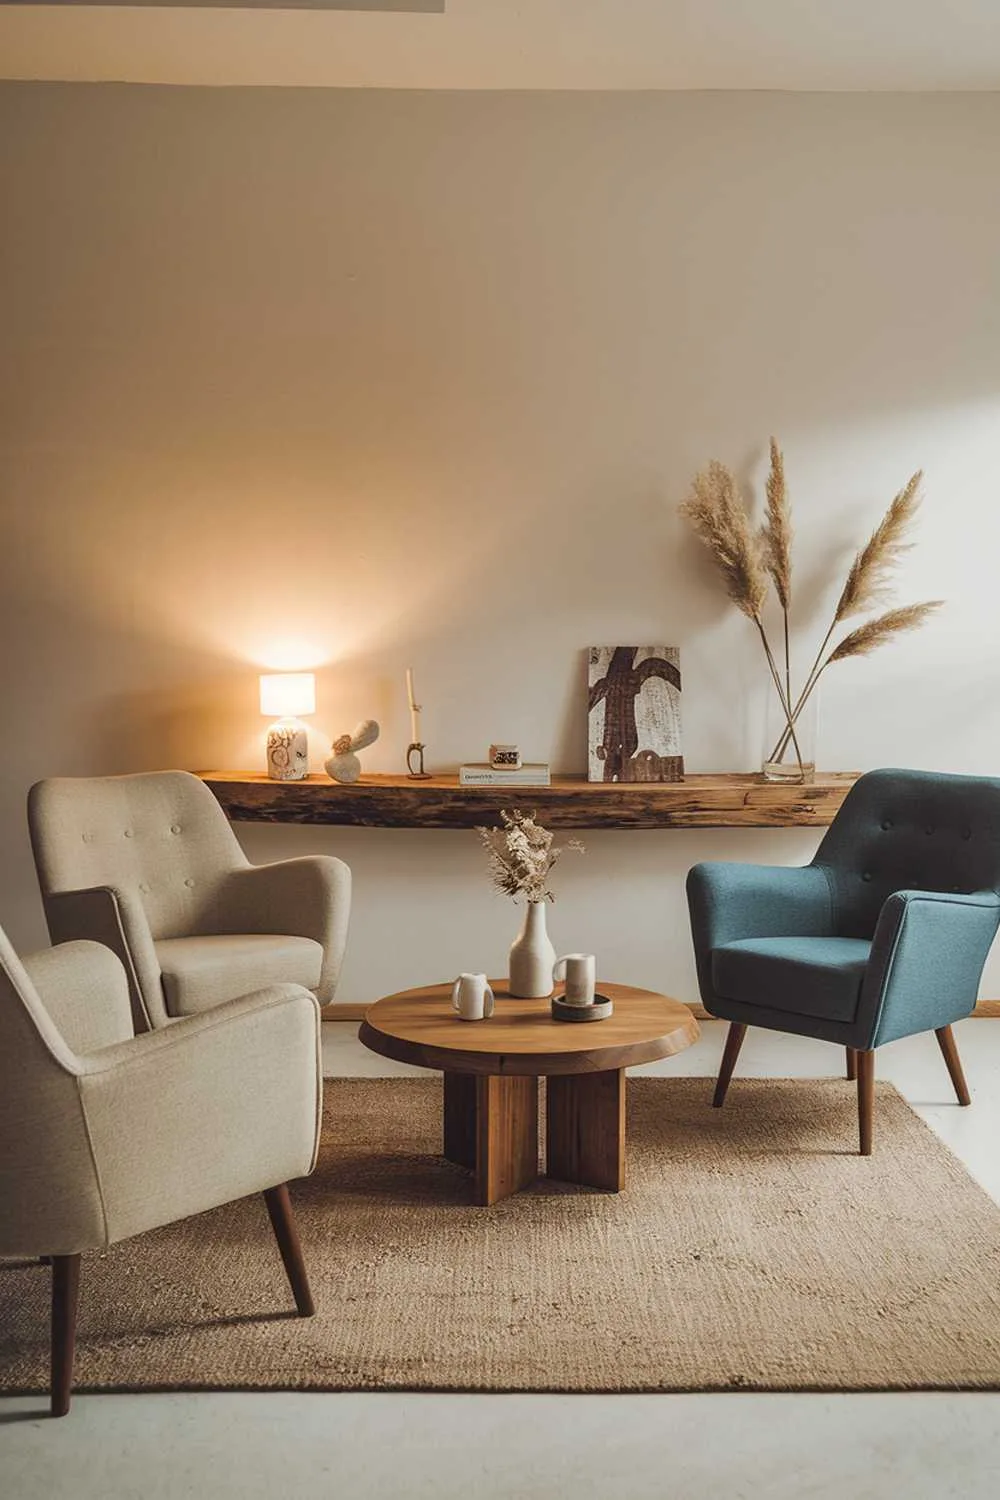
[(790, 754)]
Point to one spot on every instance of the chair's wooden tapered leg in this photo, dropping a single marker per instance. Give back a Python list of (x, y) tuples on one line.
[(279, 1209), (949, 1051), (852, 1064), (731, 1051), (866, 1098), (65, 1300)]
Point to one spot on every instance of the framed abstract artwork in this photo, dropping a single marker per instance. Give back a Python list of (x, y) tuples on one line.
[(634, 713)]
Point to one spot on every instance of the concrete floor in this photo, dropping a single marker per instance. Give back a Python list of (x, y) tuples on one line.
[(921, 1447)]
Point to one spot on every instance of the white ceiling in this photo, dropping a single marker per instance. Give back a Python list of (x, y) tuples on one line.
[(522, 44)]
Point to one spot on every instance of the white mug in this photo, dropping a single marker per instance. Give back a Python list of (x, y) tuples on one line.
[(578, 969), (472, 997)]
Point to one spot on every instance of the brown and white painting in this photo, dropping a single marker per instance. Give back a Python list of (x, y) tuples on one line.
[(635, 713)]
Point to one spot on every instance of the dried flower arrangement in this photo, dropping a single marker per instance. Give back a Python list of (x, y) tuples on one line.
[(748, 559), (522, 855)]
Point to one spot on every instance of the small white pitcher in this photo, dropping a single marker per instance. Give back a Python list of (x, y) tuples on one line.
[(472, 997), (580, 973)]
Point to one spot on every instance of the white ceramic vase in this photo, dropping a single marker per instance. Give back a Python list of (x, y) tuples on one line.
[(532, 956)]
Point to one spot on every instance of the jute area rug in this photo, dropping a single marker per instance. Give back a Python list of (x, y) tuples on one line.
[(752, 1249)]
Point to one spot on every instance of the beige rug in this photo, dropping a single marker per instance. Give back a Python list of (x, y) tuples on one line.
[(752, 1249)]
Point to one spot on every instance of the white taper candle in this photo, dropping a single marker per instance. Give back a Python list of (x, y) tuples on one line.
[(414, 709)]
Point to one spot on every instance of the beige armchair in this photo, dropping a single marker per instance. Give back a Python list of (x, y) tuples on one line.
[(149, 866), (78, 1091)]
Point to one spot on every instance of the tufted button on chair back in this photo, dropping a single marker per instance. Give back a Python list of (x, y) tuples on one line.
[(909, 830), (162, 837)]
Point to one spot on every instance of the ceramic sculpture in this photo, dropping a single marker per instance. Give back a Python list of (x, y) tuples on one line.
[(344, 764)]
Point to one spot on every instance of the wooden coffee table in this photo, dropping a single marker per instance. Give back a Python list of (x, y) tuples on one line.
[(491, 1071)]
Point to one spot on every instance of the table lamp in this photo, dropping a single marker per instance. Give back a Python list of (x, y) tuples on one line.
[(287, 694)]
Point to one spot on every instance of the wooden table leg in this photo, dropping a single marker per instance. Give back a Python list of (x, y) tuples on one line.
[(491, 1127), (585, 1129), (506, 1136), (460, 1119)]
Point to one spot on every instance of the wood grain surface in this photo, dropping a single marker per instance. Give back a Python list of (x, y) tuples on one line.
[(459, 1122), (718, 801), (506, 1136), (337, 1012), (419, 1026), (585, 1129)]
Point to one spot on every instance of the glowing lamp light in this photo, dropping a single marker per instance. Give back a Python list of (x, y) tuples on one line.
[(287, 694)]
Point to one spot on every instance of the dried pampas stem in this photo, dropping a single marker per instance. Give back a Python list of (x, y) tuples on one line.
[(874, 633), (776, 549), (871, 571), (868, 581), (776, 533), (783, 698), (720, 521), (861, 642), (747, 561)]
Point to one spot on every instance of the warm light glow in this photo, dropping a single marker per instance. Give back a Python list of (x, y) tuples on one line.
[(289, 654), (287, 694)]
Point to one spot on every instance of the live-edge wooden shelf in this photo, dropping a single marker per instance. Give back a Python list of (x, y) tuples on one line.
[(722, 801), (717, 801)]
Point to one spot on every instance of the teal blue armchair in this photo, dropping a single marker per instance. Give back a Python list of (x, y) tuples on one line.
[(883, 935)]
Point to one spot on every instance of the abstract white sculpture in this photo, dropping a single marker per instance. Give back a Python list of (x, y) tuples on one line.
[(343, 764)]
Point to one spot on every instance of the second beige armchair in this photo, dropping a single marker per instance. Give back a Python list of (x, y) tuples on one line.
[(149, 866), (226, 1105)]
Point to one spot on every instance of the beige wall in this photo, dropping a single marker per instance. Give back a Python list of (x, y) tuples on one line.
[(389, 379)]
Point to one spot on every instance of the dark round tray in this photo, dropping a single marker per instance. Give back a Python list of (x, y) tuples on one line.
[(599, 1011)]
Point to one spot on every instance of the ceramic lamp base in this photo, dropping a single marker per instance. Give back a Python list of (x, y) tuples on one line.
[(287, 751)]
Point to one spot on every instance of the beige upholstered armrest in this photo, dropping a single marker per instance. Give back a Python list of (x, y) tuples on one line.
[(116, 919), (85, 992), (308, 897), (211, 1108)]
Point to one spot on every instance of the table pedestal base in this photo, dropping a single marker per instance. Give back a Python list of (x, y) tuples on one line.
[(585, 1129), (491, 1128)]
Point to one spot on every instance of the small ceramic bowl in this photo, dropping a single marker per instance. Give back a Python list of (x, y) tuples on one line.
[(599, 1011)]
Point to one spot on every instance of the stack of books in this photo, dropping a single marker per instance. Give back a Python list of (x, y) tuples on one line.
[(479, 773)]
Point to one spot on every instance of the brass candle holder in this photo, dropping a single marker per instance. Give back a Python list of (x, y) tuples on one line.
[(416, 745), (417, 774)]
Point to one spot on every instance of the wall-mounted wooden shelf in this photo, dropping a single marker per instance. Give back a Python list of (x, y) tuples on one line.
[(723, 801), (720, 801)]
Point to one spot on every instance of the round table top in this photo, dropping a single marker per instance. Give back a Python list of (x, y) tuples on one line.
[(420, 1026)]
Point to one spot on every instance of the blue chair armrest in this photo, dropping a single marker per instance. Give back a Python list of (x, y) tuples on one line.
[(732, 901), (926, 962)]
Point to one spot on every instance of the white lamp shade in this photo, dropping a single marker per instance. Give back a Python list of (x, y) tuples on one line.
[(287, 694)]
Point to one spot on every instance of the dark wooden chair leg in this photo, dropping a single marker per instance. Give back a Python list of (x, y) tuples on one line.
[(65, 1300), (852, 1064), (279, 1210), (949, 1051), (731, 1051), (866, 1098)]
